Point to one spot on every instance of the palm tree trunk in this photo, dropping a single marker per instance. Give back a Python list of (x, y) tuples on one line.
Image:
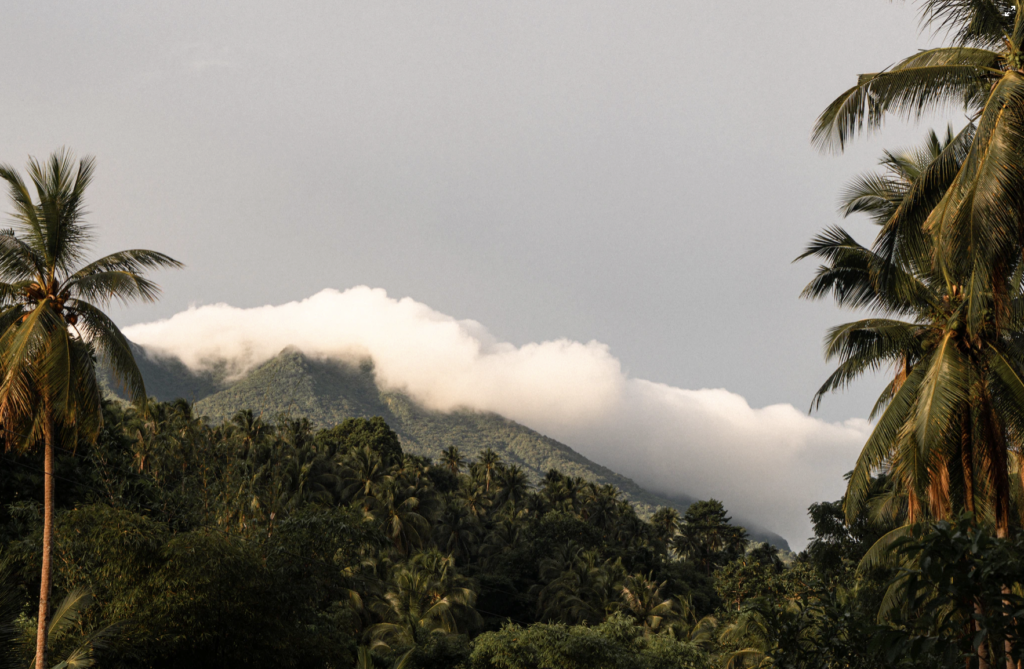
[(1002, 533), (982, 649), (44, 582)]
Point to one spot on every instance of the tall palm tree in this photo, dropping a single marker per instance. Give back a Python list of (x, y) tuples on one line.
[(52, 324), (457, 530), (363, 474), (949, 421), (452, 459), (978, 223), (666, 522), (513, 486), (403, 516), (488, 462)]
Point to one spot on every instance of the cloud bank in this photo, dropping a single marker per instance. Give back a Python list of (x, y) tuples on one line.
[(767, 464)]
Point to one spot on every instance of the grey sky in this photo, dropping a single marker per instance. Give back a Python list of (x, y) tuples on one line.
[(633, 172)]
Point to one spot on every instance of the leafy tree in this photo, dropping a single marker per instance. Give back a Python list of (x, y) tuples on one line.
[(52, 323), (356, 433), (707, 536), (838, 547)]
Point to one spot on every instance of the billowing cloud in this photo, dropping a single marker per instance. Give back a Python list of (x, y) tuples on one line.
[(767, 464)]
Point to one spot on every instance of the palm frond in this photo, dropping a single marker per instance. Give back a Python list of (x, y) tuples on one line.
[(980, 217), (881, 443), (902, 242), (61, 190), (881, 554), (906, 90), (943, 391), (113, 347), (970, 22), (867, 345), (25, 214), (18, 261)]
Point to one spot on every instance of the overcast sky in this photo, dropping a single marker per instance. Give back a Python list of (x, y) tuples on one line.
[(636, 173)]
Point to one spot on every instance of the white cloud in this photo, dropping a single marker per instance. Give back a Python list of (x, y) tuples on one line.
[(766, 464)]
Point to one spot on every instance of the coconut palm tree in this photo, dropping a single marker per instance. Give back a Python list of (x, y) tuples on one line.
[(666, 522), (452, 459), (457, 530), (512, 486), (52, 324), (642, 599), (488, 462), (949, 421), (425, 594), (363, 474), (403, 515), (977, 226)]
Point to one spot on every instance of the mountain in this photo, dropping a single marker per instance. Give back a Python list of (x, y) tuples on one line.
[(327, 392), (168, 378)]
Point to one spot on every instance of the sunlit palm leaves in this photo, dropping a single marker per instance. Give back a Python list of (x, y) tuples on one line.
[(952, 411), (977, 227)]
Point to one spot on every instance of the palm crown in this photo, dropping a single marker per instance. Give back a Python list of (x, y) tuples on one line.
[(949, 419), (978, 220), (52, 325), (51, 317)]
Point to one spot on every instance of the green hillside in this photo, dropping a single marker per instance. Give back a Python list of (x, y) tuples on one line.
[(328, 392), (325, 392), (168, 378)]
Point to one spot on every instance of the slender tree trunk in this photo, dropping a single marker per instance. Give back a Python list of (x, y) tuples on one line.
[(1007, 643), (982, 649), (44, 583), (1003, 533)]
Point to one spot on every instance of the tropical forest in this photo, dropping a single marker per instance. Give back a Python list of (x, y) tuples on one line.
[(304, 515)]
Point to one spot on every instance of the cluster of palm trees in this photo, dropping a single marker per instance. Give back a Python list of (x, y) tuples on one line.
[(427, 522), (944, 276), (578, 587)]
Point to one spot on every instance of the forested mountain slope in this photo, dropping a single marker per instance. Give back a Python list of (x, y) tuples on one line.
[(327, 392)]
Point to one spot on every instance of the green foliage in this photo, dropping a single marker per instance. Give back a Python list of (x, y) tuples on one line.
[(324, 392), (614, 644), (707, 536), (272, 544), (328, 393), (959, 596)]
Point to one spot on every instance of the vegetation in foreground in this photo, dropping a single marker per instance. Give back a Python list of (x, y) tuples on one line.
[(176, 543), (179, 543)]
